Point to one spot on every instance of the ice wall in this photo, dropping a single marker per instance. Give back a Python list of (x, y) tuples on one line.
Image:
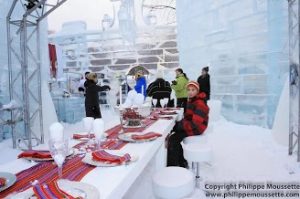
[(245, 42)]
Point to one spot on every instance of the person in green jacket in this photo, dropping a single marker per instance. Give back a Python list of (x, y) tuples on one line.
[(179, 86)]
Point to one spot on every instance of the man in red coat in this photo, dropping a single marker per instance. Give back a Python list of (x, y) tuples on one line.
[(195, 122)]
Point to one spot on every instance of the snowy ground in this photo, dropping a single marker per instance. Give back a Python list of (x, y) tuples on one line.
[(241, 153)]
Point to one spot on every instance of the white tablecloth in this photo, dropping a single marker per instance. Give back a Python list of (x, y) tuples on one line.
[(126, 181)]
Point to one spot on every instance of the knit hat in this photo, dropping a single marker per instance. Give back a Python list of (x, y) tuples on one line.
[(205, 68), (193, 83)]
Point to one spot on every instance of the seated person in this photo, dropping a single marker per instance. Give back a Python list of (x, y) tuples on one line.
[(159, 89), (195, 122)]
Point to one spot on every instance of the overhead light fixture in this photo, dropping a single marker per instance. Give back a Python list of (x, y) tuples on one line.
[(31, 3)]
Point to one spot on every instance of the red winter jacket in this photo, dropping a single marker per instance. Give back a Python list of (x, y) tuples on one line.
[(196, 116)]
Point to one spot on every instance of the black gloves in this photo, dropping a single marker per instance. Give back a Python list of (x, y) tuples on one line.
[(174, 82), (80, 89), (106, 88)]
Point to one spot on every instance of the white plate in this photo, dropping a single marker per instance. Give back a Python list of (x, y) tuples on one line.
[(89, 159), (168, 112), (127, 137), (10, 180), (75, 189), (71, 152), (133, 127)]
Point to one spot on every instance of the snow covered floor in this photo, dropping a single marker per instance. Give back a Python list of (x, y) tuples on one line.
[(241, 153), (248, 153)]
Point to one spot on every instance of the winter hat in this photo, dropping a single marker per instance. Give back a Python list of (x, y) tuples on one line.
[(205, 68), (193, 83), (92, 76)]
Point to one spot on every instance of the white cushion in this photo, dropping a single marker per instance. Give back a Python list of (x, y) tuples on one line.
[(202, 139), (197, 152), (173, 183)]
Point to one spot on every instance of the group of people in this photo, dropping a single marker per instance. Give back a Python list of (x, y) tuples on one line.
[(161, 88), (191, 95)]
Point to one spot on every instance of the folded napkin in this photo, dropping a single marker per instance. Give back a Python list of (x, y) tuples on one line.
[(167, 112), (35, 154), (2, 182), (80, 136), (153, 118), (51, 190), (103, 156), (146, 136)]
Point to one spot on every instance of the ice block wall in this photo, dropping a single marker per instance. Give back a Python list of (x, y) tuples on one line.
[(245, 42)]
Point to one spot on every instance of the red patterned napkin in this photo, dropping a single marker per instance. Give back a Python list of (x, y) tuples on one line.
[(167, 112), (2, 182), (80, 136), (35, 154), (146, 136), (50, 190), (103, 156)]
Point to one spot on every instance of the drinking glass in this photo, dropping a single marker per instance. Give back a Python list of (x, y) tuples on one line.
[(98, 128), (162, 103), (88, 125), (166, 100), (59, 150), (153, 105)]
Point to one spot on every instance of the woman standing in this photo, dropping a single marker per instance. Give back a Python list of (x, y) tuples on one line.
[(179, 86), (204, 82), (92, 108)]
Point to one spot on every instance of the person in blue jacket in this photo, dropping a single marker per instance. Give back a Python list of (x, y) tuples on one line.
[(141, 84)]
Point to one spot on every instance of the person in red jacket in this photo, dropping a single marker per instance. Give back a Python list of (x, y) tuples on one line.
[(195, 122)]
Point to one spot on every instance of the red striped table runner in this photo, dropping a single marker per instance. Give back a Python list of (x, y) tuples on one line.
[(73, 169)]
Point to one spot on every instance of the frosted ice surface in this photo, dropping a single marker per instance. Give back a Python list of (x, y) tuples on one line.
[(245, 43)]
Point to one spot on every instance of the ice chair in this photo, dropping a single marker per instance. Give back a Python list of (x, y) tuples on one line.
[(196, 150), (173, 183)]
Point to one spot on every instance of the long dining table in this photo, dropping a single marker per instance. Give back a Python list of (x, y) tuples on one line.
[(126, 181)]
